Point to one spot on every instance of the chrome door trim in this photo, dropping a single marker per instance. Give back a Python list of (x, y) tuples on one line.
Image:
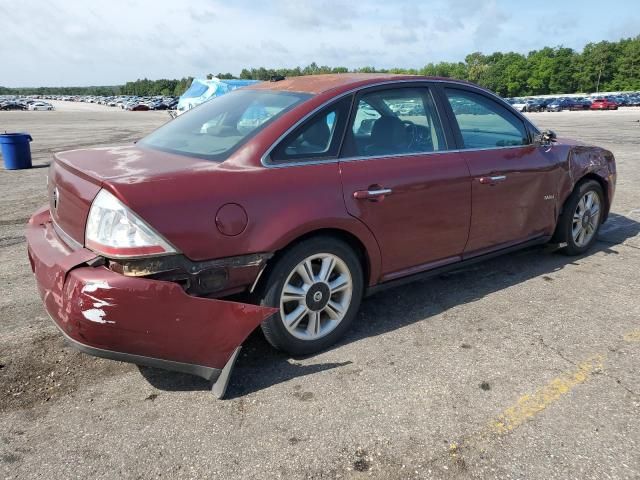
[(396, 155)]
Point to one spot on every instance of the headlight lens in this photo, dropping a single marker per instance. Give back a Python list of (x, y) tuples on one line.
[(115, 231)]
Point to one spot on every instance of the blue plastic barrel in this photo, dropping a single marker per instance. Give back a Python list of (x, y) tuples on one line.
[(16, 151)]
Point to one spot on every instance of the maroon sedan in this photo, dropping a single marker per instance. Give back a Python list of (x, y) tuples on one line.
[(284, 203), (603, 104)]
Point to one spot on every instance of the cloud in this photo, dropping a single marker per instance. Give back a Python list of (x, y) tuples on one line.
[(488, 21), (399, 35), (273, 46), (316, 14), (76, 42), (204, 15), (627, 27)]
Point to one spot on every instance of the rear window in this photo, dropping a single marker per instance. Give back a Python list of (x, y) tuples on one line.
[(216, 128)]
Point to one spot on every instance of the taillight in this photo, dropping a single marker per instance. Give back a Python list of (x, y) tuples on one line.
[(116, 232)]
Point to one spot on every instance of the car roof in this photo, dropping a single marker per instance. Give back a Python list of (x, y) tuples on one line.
[(339, 82)]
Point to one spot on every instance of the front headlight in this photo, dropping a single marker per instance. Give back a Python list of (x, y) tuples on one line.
[(116, 232)]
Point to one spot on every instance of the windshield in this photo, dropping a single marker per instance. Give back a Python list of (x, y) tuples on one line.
[(216, 128)]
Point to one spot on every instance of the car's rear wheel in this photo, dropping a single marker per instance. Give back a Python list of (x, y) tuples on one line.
[(317, 287), (581, 219)]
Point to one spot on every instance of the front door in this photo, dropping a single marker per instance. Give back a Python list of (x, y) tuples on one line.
[(513, 181), (399, 179)]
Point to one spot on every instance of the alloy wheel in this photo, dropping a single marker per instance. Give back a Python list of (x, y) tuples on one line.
[(586, 219), (316, 296)]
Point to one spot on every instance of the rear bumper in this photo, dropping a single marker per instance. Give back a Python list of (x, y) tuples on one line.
[(207, 373), (138, 320)]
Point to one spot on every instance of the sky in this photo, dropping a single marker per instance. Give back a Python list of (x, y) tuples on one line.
[(98, 42)]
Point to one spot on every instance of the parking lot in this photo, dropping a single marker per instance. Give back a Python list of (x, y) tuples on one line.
[(525, 366)]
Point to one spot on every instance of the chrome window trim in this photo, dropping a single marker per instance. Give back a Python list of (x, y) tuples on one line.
[(264, 160), (379, 157)]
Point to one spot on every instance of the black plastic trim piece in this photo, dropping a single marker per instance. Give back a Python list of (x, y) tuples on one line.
[(145, 267), (219, 387)]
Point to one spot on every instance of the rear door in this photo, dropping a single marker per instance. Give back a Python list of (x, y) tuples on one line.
[(400, 179), (514, 182)]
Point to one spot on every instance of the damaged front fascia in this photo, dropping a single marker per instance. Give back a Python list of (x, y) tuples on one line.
[(197, 278)]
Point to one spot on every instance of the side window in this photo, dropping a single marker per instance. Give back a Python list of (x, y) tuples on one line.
[(484, 123), (319, 137), (394, 122)]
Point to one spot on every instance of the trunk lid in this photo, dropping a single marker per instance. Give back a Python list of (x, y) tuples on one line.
[(70, 195), (76, 177)]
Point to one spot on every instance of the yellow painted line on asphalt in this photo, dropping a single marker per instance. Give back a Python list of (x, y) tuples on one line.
[(528, 406), (633, 336)]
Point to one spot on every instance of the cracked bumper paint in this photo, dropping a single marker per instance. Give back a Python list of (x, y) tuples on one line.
[(131, 319)]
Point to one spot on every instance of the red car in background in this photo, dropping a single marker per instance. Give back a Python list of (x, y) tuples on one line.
[(282, 204), (603, 104)]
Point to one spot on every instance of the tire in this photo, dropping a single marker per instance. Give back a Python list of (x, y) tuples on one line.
[(301, 338), (573, 221)]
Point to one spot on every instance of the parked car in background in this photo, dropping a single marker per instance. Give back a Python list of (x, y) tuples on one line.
[(171, 104), (603, 104), (139, 107), (621, 100), (566, 103), (12, 106), (582, 103), (535, 105), (283, 203), (519, 104), (40, 106), (557, 105)]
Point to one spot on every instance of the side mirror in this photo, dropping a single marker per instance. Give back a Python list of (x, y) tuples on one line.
[(546, 137)]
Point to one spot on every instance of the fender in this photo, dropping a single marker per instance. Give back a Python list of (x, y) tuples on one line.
[(590, 161)]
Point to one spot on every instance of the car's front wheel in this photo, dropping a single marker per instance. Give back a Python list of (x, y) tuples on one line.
[(317, 286), (582, 217)]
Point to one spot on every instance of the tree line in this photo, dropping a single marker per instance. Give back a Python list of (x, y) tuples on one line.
[(141, 87), (602, 66)]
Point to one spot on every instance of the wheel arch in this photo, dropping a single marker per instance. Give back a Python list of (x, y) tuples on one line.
[(369, 260), (557, 236), (604, 184)]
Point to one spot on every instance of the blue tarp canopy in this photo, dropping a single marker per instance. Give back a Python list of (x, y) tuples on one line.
[(203, 89)]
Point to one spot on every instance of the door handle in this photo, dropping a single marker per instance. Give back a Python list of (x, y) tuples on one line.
[(492, 180), (372, 194)]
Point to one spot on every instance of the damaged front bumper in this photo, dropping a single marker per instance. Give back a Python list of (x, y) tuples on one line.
[(135, 319)]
